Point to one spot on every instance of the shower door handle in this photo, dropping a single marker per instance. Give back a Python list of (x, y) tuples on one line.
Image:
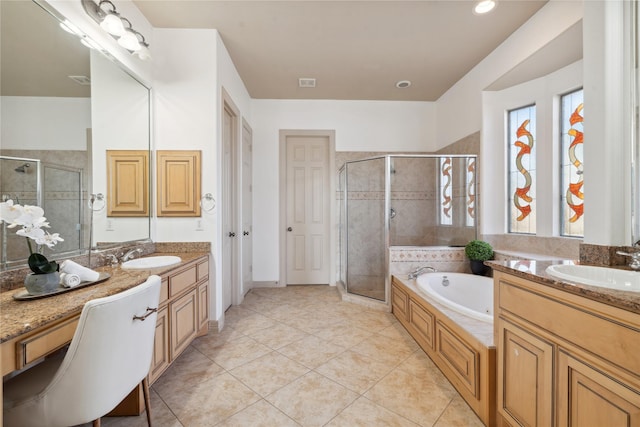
[(392, 214)]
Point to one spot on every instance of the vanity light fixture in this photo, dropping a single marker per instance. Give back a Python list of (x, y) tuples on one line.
[(484, 6), (117, 26)]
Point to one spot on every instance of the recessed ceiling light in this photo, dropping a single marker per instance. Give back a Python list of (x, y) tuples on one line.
[(484, 6), (403, 84)]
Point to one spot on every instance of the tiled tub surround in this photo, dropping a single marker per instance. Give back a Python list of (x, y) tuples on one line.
[(404, 259), (462, 347)]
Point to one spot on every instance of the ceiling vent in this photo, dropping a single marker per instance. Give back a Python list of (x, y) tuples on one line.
[(306, 82), (81, 80)]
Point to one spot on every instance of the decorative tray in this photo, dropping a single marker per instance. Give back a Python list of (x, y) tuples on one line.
[(24, 295)]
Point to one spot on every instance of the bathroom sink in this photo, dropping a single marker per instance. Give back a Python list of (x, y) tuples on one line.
[(603, 277), (151, 262)]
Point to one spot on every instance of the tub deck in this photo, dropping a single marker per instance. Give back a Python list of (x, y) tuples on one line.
[(462, 347)]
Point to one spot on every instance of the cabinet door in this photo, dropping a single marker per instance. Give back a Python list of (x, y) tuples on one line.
[(587, 397), (178, 183), (184, 322), (203, 305), (399, 302), (423, 322), (160, 360), (525, 377), (128, 184)]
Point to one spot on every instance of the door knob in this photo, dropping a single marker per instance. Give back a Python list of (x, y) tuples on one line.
[(232, 234), (245, 233), (289, 229)]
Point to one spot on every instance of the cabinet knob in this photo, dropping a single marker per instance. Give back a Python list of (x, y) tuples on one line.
[(245, 233), (289, 229), (232, 234)]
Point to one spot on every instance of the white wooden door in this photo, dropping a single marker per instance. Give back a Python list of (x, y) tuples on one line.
[(247, 215), (227, 206), (307, 200)]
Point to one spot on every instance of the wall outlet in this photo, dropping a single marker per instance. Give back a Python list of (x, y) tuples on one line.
[(109, 225), (199, 226)]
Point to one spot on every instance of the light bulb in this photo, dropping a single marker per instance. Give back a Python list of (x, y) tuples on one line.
[(484, 6), (129, 41), (143, 53), (112, 24)]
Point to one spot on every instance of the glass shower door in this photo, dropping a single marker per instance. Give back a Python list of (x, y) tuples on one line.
[(365, 219)]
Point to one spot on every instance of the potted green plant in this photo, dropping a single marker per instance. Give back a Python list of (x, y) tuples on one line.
[(478, 251)]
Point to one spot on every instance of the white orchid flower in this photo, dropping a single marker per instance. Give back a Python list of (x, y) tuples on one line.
[(50, 240), (32, 220), (10, 212)]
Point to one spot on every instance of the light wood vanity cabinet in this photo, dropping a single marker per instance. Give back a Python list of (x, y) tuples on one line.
[(564, 360), (183, 313)]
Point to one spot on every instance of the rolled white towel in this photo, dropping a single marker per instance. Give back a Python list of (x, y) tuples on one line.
[(69, 280), (85, 274)]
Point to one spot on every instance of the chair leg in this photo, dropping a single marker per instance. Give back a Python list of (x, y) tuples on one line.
[(147, 400), (96, 423)]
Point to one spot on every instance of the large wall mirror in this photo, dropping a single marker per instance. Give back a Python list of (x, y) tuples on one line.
[(63, 106)]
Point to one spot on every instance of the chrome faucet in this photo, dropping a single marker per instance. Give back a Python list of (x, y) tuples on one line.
[(418, 271), (111, 259), (130, 254)]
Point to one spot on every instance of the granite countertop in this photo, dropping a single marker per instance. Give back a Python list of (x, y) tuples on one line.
[(536, 271), (19, 317)]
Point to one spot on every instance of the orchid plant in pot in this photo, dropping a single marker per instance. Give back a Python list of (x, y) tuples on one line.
[(31, 219)]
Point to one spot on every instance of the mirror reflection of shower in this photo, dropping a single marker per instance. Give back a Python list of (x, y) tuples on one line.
[(57, 188)]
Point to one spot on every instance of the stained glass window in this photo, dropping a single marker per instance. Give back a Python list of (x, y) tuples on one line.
[(522, 170), (446, 191), (572, 192), (470, 181)]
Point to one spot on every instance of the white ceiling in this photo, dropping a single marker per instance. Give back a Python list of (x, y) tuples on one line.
[(355, 49)]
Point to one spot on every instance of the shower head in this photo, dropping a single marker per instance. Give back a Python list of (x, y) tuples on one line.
[(22, 168)]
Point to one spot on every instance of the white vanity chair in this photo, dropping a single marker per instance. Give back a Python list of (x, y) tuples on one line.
[(109, 355)]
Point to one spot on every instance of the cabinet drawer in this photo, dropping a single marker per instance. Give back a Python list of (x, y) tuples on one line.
[(458, 356), (423, 321), (181, 281), (203, 270), (39, 345), (399, 302)]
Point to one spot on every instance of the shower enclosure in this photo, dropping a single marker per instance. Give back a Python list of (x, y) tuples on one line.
[(56, 188), (401, 200)]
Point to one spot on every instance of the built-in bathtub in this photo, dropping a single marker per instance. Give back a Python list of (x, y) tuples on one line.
[(450, 315), (467, 294)]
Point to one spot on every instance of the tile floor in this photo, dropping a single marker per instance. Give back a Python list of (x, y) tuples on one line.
[(299, 356)]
